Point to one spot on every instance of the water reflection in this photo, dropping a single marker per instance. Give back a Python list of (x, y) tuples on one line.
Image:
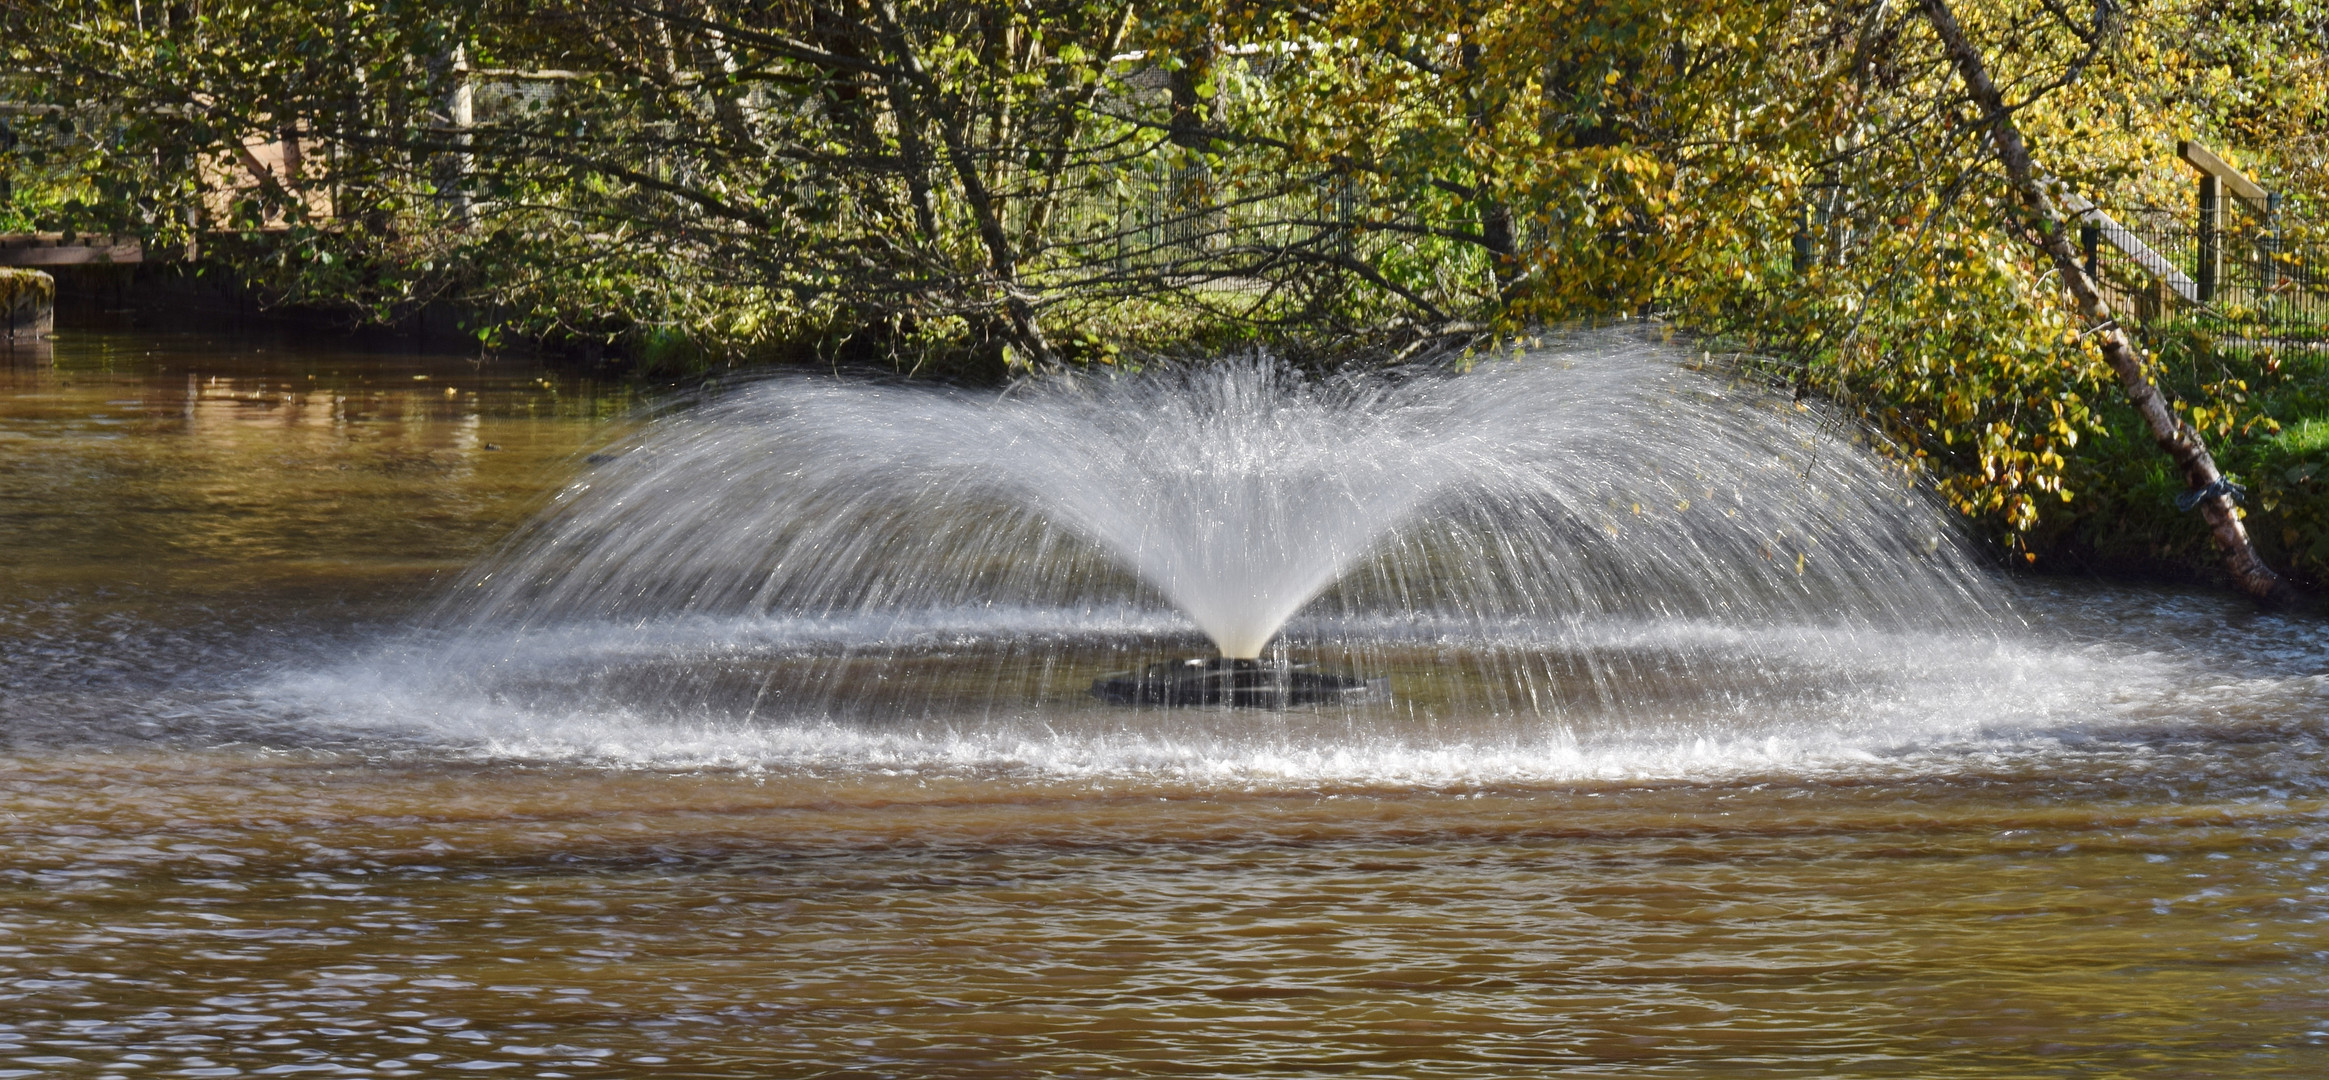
[(182, 449), (175, 504), (216, 912)]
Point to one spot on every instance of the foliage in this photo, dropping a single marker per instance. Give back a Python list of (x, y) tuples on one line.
[(2128, 521), (1030, 182), (1922, 302)]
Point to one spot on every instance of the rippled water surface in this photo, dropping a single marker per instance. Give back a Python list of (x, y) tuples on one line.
[(257, 817)]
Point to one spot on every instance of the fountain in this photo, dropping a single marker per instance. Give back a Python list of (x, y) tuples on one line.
[(770, 748), (1599, 526)]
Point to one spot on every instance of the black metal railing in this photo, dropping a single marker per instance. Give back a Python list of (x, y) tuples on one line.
[(2246, 273)]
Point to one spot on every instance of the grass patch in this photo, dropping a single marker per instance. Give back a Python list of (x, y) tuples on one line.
[(2122, 517), (2305, 437)]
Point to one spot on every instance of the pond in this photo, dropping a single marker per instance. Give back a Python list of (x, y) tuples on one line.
[(235, 839)]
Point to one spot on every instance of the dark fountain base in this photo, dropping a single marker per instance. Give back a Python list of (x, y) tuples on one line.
[(1261, 684)]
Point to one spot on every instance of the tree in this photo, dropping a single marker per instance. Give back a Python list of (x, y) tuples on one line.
[(1029, 183), (2048, 230)]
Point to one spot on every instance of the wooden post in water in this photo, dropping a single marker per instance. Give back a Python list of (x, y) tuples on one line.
[(28, 307)]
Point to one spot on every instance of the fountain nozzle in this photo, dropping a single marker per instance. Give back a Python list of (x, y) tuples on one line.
[(1239, 682)]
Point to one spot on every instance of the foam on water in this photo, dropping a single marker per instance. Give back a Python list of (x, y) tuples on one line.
[(1861, 704)]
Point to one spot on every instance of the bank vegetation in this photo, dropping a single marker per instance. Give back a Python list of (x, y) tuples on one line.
[(978, 188)]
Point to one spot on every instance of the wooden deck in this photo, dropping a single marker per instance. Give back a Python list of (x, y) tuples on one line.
[(51, 249)]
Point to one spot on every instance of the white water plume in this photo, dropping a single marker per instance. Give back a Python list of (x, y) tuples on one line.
[(1595, 544), (1594, 477)]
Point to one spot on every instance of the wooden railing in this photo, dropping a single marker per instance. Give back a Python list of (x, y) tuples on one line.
[(64, 249)]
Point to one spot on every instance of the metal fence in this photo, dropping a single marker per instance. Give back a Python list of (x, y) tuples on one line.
[(2246, 274)]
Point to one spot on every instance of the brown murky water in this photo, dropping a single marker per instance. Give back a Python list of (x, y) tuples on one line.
[(231, 843)]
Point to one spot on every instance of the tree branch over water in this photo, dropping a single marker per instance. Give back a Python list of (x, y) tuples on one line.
[(2051, 233), (991, 186)]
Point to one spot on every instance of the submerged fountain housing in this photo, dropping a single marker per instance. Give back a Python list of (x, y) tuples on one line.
[(1220, 680)]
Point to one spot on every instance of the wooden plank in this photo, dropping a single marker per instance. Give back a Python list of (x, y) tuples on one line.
[(50, 249), (2125, 240), (2208, 163), (72, 256)]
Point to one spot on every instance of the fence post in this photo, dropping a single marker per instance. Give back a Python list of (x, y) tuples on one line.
[(2211, 237), (1801, 241), (2268, 282), (2090, 237)]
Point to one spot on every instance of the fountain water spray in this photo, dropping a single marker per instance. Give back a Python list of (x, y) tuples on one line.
[(1599, 478)]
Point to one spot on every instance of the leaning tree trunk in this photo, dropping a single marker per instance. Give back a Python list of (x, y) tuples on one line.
[(2178, 441)]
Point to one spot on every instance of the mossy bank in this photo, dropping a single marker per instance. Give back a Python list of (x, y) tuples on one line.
[(2270, 434)]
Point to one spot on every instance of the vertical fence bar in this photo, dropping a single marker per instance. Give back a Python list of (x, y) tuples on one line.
[(2211, 258), (2269, 273)]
